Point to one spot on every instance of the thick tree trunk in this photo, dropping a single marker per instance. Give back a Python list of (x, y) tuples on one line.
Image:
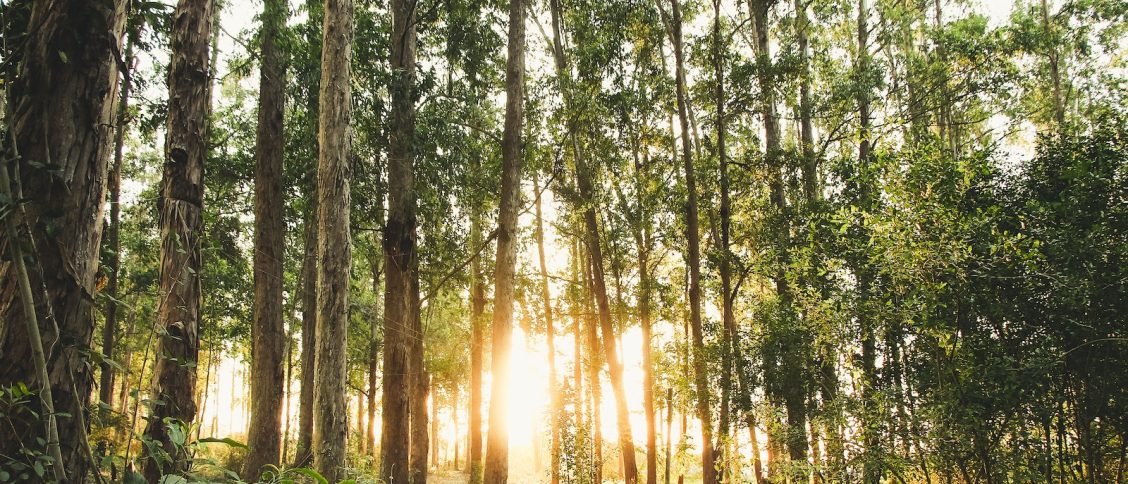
[(181, 222), (268, 333), (334, 246), (497, 441), (59, 110), (693, 256), (400, 262), (553, 389)]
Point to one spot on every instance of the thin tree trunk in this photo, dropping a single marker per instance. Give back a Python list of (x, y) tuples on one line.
[(497, 445), (334, 246), (693, 255), (477, 337), (1055, 65), (311, 78), (304, 447), (268, 333), (181, 223), (113, 237), (669, 428), (434, 424), (399, 253), (287, 397), (374, 350), (728, 318), (554, 393)]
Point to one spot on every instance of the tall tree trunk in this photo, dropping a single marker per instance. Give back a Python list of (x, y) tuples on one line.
[(304, 448), (433, 391), (669, 428), (268, 333), (693, 255), (477, 341), (310, 76), (644, 243), (181, 222), (872, 466), (593, 366), (728, 319), (1054, 58), (420, 387), (374, 346), (399, 253), (59, 111), (334, 246), (497, 441), (584, 174), (810, 167), (794, 392), (546, 297), (113, 236)]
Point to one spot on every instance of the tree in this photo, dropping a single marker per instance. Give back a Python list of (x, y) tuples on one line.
[(497, 439), (60, 87), (400, 259), (693, 249), (181, 223), (311, 77), (333, 242), (268, 330)]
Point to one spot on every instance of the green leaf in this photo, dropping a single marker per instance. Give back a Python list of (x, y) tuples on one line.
[(312, 474), (132, 477), (227, 441), (173, 479)]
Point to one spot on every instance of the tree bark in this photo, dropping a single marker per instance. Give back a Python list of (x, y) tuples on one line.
[(181, 223), (420, 387), (374, 345), (553, 389), (304, 449), (497, 444), (268, 332), (113, 237), (59, 113), (477, 341), (693, 256), (312, 79), (728, 319), (334, 246), (400, 308)]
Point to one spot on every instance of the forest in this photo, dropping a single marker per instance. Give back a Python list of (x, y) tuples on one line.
[(564, 241)]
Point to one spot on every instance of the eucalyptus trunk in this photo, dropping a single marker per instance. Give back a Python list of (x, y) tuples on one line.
[(181, 227), (400, 261), (497, 440), (59, 108), (268, 331), (693, 254), (334, 246)]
